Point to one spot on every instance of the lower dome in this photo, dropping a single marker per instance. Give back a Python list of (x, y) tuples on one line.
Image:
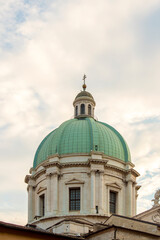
[(83, 135)]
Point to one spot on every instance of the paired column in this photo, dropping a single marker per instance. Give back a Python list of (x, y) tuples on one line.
[(52, 193), (54, 184), (31, 203), (101, 192), (93, 192), (129, 197), (134, 199), (48, 197)]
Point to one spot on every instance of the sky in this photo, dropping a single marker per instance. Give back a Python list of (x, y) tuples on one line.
[(45, 48)]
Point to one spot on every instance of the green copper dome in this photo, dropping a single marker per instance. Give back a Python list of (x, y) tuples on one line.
[(83, 135)]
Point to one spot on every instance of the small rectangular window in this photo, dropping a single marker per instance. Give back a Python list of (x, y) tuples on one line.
[(74, 199), (42, 205), (113, 199)]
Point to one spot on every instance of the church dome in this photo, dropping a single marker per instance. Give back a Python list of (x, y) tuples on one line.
[(84, 94), (81, 136)]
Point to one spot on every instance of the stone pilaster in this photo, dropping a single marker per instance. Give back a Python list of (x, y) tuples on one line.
[(129, 203), (134, 199), (31, 203), (48, 197), (54, 187), (101, 191), (93, 192)]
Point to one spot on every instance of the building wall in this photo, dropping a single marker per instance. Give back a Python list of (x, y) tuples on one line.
[(95, 175), (122, 234)]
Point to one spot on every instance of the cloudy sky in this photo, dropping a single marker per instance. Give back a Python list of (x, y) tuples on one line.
[(45, 48)]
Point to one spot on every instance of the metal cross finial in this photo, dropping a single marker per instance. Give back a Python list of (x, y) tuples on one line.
[(84, 78), (84, 85)]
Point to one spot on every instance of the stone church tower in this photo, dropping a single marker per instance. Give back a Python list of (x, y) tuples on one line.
[(82, 173)]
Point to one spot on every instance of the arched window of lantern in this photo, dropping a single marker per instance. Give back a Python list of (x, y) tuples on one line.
[(82, 109), (89, 109), (76, 111)]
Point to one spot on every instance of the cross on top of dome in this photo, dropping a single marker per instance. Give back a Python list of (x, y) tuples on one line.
[(84, 103), (84, 85)]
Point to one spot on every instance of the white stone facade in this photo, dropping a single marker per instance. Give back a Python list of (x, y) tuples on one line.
[(96, 175)]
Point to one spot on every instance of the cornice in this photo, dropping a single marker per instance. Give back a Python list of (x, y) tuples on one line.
[(97, 161), (84, 98), (134, 172), (103, 161), (27, 178), (49, 164), (38, 174), (104, 157), (75, 164), (41, 164), (116, 168), (114, 159)]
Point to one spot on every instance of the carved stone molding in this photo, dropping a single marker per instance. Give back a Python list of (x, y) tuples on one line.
[(98, 161), (74, 164), (74, 181), (38, 174), (113, 185), (27, 178), (51, 164), (41, 189), (115, 168), (156, 217)]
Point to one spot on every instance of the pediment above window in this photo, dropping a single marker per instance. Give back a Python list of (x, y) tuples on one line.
[(113, 185), (74, 181), (40, 189)]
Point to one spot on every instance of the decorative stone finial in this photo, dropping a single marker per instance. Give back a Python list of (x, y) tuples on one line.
[(84, 85), (156, 198)]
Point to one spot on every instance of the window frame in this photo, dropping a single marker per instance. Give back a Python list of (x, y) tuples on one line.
[(114, 203), (83, 108), (75, 200), (89, 109), (117, 188), (42, 205)]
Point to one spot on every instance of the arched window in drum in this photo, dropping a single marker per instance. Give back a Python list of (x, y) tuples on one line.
[(89, 109), (82, 109)]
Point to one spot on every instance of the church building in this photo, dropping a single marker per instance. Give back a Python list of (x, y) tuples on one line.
[(83, 185), (82, 175)]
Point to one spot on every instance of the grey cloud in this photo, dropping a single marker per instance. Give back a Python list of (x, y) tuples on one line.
[(148, 120)]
